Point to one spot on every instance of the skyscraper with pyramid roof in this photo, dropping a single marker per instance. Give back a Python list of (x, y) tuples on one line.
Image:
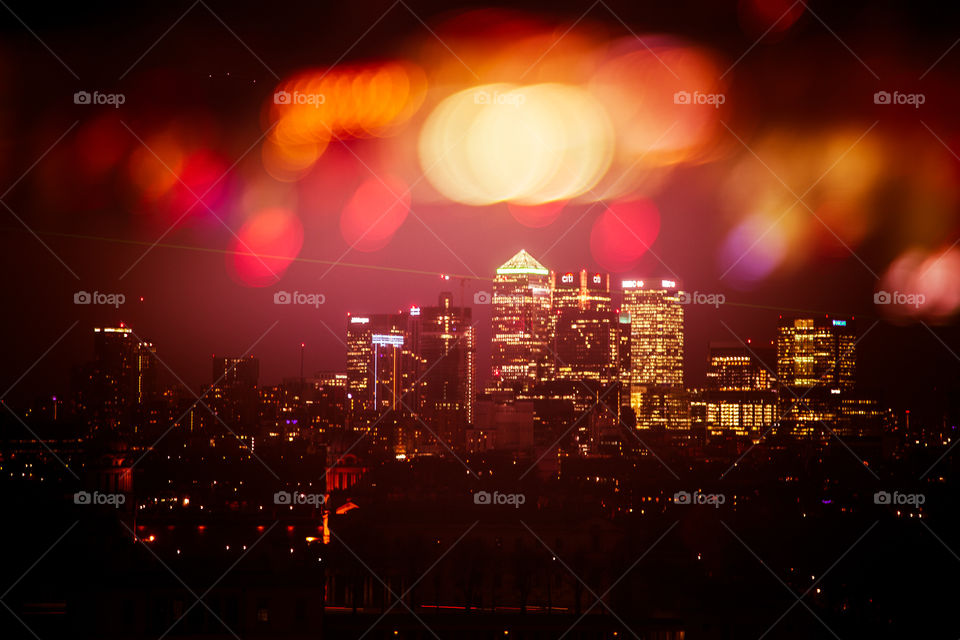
[(521, 323)]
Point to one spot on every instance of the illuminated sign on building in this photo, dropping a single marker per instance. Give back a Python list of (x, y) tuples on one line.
[(668, 284), (387, 340), (359, 320), (567, 278), (839, 323), (414, 311)]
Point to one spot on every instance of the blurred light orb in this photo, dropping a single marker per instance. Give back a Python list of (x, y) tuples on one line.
[(921, 285), (200, 186), (769, 17), (665, 100), (537, 215), (264, 247), (374, 213), (623, 233), (290, 162), (753, 250), (154, 175), (522, 144)]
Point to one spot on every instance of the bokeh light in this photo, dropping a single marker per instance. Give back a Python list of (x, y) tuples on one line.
[(264, 247), (921, 285), (623, 233), (374, 213), (528, 145)]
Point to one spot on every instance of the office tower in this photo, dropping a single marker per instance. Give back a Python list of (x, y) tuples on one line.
[(585, 338), (816, 368), (446, 350), (624, 368), (115, 391), (583, 291), (734, 367), (656, 345), (233, 394), (586, 344), (521, 324), (740, 398), (381, 365), (815, 352), (656, 331)]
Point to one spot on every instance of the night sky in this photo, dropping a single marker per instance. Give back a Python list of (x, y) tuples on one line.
[(814, 78)]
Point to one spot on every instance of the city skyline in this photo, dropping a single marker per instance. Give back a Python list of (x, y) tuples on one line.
[(411, 319)]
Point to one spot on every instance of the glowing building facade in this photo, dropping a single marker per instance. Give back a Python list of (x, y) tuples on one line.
[(522, 300), (447, 387), (116, 389), (816, 367), (381, 365), (815, 352), (234, 394), (585, 331), (582, 291), (656, 353), (656, 331), (741, 397)]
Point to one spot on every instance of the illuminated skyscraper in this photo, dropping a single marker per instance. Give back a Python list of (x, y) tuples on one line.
[(585, 336), (816, 352), (521, 324), (656, 331), (816, 367), (741, 397), (586, 344), (381, 365), (446, 346), (734, 367), (114, 391), (234, 394), (656, 344), (582, 290)]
